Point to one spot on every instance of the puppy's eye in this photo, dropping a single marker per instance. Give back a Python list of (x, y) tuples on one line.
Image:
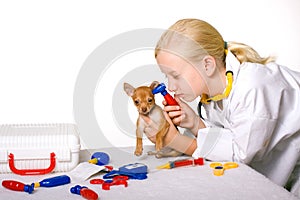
[(136, 102), (150, 100)]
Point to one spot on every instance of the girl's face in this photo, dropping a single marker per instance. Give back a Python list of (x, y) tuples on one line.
[(185, 79)]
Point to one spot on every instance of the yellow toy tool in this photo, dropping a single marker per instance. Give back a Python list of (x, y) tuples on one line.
[(219, 167)]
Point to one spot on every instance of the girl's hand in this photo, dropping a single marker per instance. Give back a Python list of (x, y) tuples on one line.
[(152, 128), (173, 138), (184, 116)]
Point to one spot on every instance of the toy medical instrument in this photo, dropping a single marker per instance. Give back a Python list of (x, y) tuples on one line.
[(18, 186), (230, 165), (161, 88), (48, 182), (181, 163), (107, 169), (133, 171), (218, 171), (33, 149), (53, 182), (206, 100), (218, 168), (99, 158), (84, 192), (116, 180)]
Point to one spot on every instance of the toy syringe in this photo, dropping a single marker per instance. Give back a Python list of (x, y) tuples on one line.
[(181, 163), (161, 88)]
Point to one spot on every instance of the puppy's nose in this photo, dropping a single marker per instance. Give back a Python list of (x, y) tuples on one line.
[(144, 109)]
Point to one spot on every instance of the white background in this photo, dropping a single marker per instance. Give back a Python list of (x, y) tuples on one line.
[(43, 44)]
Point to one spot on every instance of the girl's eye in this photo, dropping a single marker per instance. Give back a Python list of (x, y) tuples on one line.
[(175, 75)]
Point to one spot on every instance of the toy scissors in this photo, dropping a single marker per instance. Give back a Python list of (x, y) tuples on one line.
[(219, 167)]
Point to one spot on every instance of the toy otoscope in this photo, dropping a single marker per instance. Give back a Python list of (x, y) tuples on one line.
[(161, 88)]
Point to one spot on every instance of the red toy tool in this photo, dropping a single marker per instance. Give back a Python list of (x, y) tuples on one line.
[(84, 192), (180, 163), (18, 186), (117, 180)]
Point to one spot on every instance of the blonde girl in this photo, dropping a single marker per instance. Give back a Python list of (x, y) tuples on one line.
[(251, 103)]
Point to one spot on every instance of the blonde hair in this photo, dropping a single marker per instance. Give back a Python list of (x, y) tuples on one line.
[(194, 38)]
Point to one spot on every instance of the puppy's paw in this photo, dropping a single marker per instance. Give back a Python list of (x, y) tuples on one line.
[(151, 153), (159, 155), (138, 152), (167, 152)]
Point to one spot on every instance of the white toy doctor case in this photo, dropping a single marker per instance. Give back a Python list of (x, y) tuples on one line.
[(38, 149)]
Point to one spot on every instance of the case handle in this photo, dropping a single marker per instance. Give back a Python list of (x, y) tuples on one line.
[(31, 171)]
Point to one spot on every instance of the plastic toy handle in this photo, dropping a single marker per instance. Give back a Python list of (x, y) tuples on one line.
[(54, 181), (31, 171), (88, 194), (84, 192), (17, 186), (170, 100), (180, 163)]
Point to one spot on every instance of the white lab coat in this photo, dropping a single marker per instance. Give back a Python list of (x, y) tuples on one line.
[(260, 121)]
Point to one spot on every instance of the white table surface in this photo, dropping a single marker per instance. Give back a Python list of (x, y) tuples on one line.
[(184, 183)]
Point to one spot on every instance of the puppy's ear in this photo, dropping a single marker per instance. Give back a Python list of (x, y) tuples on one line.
[(129, 89), (154, 84)]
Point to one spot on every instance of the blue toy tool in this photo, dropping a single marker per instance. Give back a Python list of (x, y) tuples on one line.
[(53, 182), (133, 171), (99, 158), (161, 88)]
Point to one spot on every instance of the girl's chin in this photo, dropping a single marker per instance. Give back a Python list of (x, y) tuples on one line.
[(188, 98)]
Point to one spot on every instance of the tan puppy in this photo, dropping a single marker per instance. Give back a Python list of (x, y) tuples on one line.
[(145, 103)]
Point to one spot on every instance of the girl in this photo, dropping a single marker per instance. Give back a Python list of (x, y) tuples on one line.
[(252, 104)]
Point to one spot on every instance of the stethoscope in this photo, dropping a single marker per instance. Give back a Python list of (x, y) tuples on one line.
[(206, 100)]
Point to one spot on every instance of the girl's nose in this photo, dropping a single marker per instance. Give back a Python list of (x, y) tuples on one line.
[(171, 86)]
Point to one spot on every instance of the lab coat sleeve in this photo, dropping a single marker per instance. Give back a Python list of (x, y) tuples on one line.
[(214, 143), (247, 133)]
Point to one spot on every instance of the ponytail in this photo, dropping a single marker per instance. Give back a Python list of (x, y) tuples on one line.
[(245, 53)]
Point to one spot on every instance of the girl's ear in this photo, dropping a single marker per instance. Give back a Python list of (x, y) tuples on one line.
[(209, 65)]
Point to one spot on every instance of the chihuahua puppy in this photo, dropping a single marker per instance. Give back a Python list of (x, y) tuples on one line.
[(145, 103)]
